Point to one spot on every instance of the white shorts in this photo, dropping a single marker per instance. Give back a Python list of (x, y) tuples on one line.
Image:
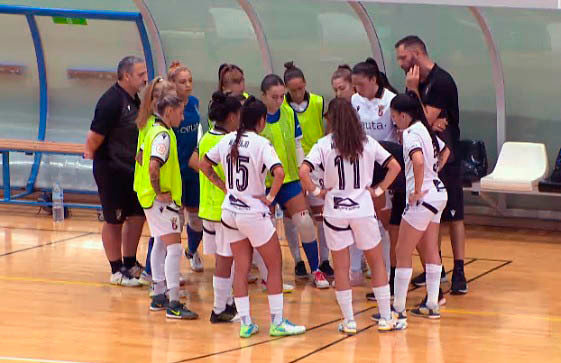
[(213, 241), (257, 227), (341, 233), (429, 210), (163, 219)]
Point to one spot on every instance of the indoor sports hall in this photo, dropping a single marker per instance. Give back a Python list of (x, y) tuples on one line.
[(75, 258)]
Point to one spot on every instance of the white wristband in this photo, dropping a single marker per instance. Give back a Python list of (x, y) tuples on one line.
[(270, 198), (378, 191), (316, 192)]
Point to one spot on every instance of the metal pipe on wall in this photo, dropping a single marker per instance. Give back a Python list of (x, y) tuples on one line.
[(498, 80), (370, 32), (259, 32)]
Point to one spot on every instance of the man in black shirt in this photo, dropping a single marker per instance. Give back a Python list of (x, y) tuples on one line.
[(111, 143), (439, 95)]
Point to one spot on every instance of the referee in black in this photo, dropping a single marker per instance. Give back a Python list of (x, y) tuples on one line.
[(111, 143), (439, 95)]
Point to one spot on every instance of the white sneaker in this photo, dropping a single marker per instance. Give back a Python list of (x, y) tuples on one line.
[(349, 328), (145, 279), (196, 263), (124, 279), (286, 288), (319, 280)]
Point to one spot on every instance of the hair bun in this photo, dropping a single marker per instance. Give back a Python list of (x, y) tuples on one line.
[(344, 66), (218, 97), (371, 61), (289, 65), (174, 65)]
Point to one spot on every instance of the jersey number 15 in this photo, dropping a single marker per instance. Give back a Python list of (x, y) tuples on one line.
[(241, 170)]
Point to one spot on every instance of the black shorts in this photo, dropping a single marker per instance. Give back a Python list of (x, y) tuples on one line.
[(452, 179), (115, 187), (190, 194), (398, 206)]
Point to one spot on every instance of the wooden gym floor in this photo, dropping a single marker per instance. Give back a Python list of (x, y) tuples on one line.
[(57, 306)]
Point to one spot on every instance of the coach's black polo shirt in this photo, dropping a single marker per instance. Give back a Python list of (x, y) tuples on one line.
[(115, 115), (439, 90)]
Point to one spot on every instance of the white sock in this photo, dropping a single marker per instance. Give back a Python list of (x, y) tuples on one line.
[(356, 258), (292, 238), (242, 305), (172, 268), (433, 284), (386, 246), (382, 294), (323, 249), (157, 260), (401, 284), (258, 261), (345, 300), (222, 290), (276, 303)]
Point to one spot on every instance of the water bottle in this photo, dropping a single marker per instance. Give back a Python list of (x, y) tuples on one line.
[(58, 206)]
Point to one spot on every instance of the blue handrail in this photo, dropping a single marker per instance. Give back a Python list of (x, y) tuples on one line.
[(69, 13), (43, 97)]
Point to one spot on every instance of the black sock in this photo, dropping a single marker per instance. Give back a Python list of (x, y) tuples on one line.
[(116, 265), (129, 262), (459, 265)]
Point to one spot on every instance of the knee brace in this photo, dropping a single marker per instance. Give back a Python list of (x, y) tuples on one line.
[(305, 225), (194, 222)]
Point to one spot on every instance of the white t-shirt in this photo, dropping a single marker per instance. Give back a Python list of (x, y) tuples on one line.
[(348, 197), (375, 116), (160, 147), (416, 137), (245, 178)]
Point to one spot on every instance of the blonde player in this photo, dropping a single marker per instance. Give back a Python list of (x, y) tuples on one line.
[(424, 154), (347, 156), (159, 190), (246, 158), (145, 120)]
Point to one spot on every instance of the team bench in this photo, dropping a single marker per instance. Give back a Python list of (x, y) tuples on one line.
[(29, 147)]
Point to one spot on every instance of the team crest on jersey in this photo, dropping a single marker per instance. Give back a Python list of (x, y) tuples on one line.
[(174, 223), (344, 203), (381, 109), (235, 202)]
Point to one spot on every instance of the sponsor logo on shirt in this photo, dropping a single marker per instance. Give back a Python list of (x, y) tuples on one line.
[(381, 110), (189, 128), (174, 223), (344, 203), (373, 125), (235, 202)]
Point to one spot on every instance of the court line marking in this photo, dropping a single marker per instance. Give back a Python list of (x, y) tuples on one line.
[(18, 359), (45, 244), (59, 282), (307, 330), (458, 311)]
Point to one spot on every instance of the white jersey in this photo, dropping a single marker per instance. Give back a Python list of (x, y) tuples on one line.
[(349, 196), (245, 177), (416, 137), (375, 116)]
